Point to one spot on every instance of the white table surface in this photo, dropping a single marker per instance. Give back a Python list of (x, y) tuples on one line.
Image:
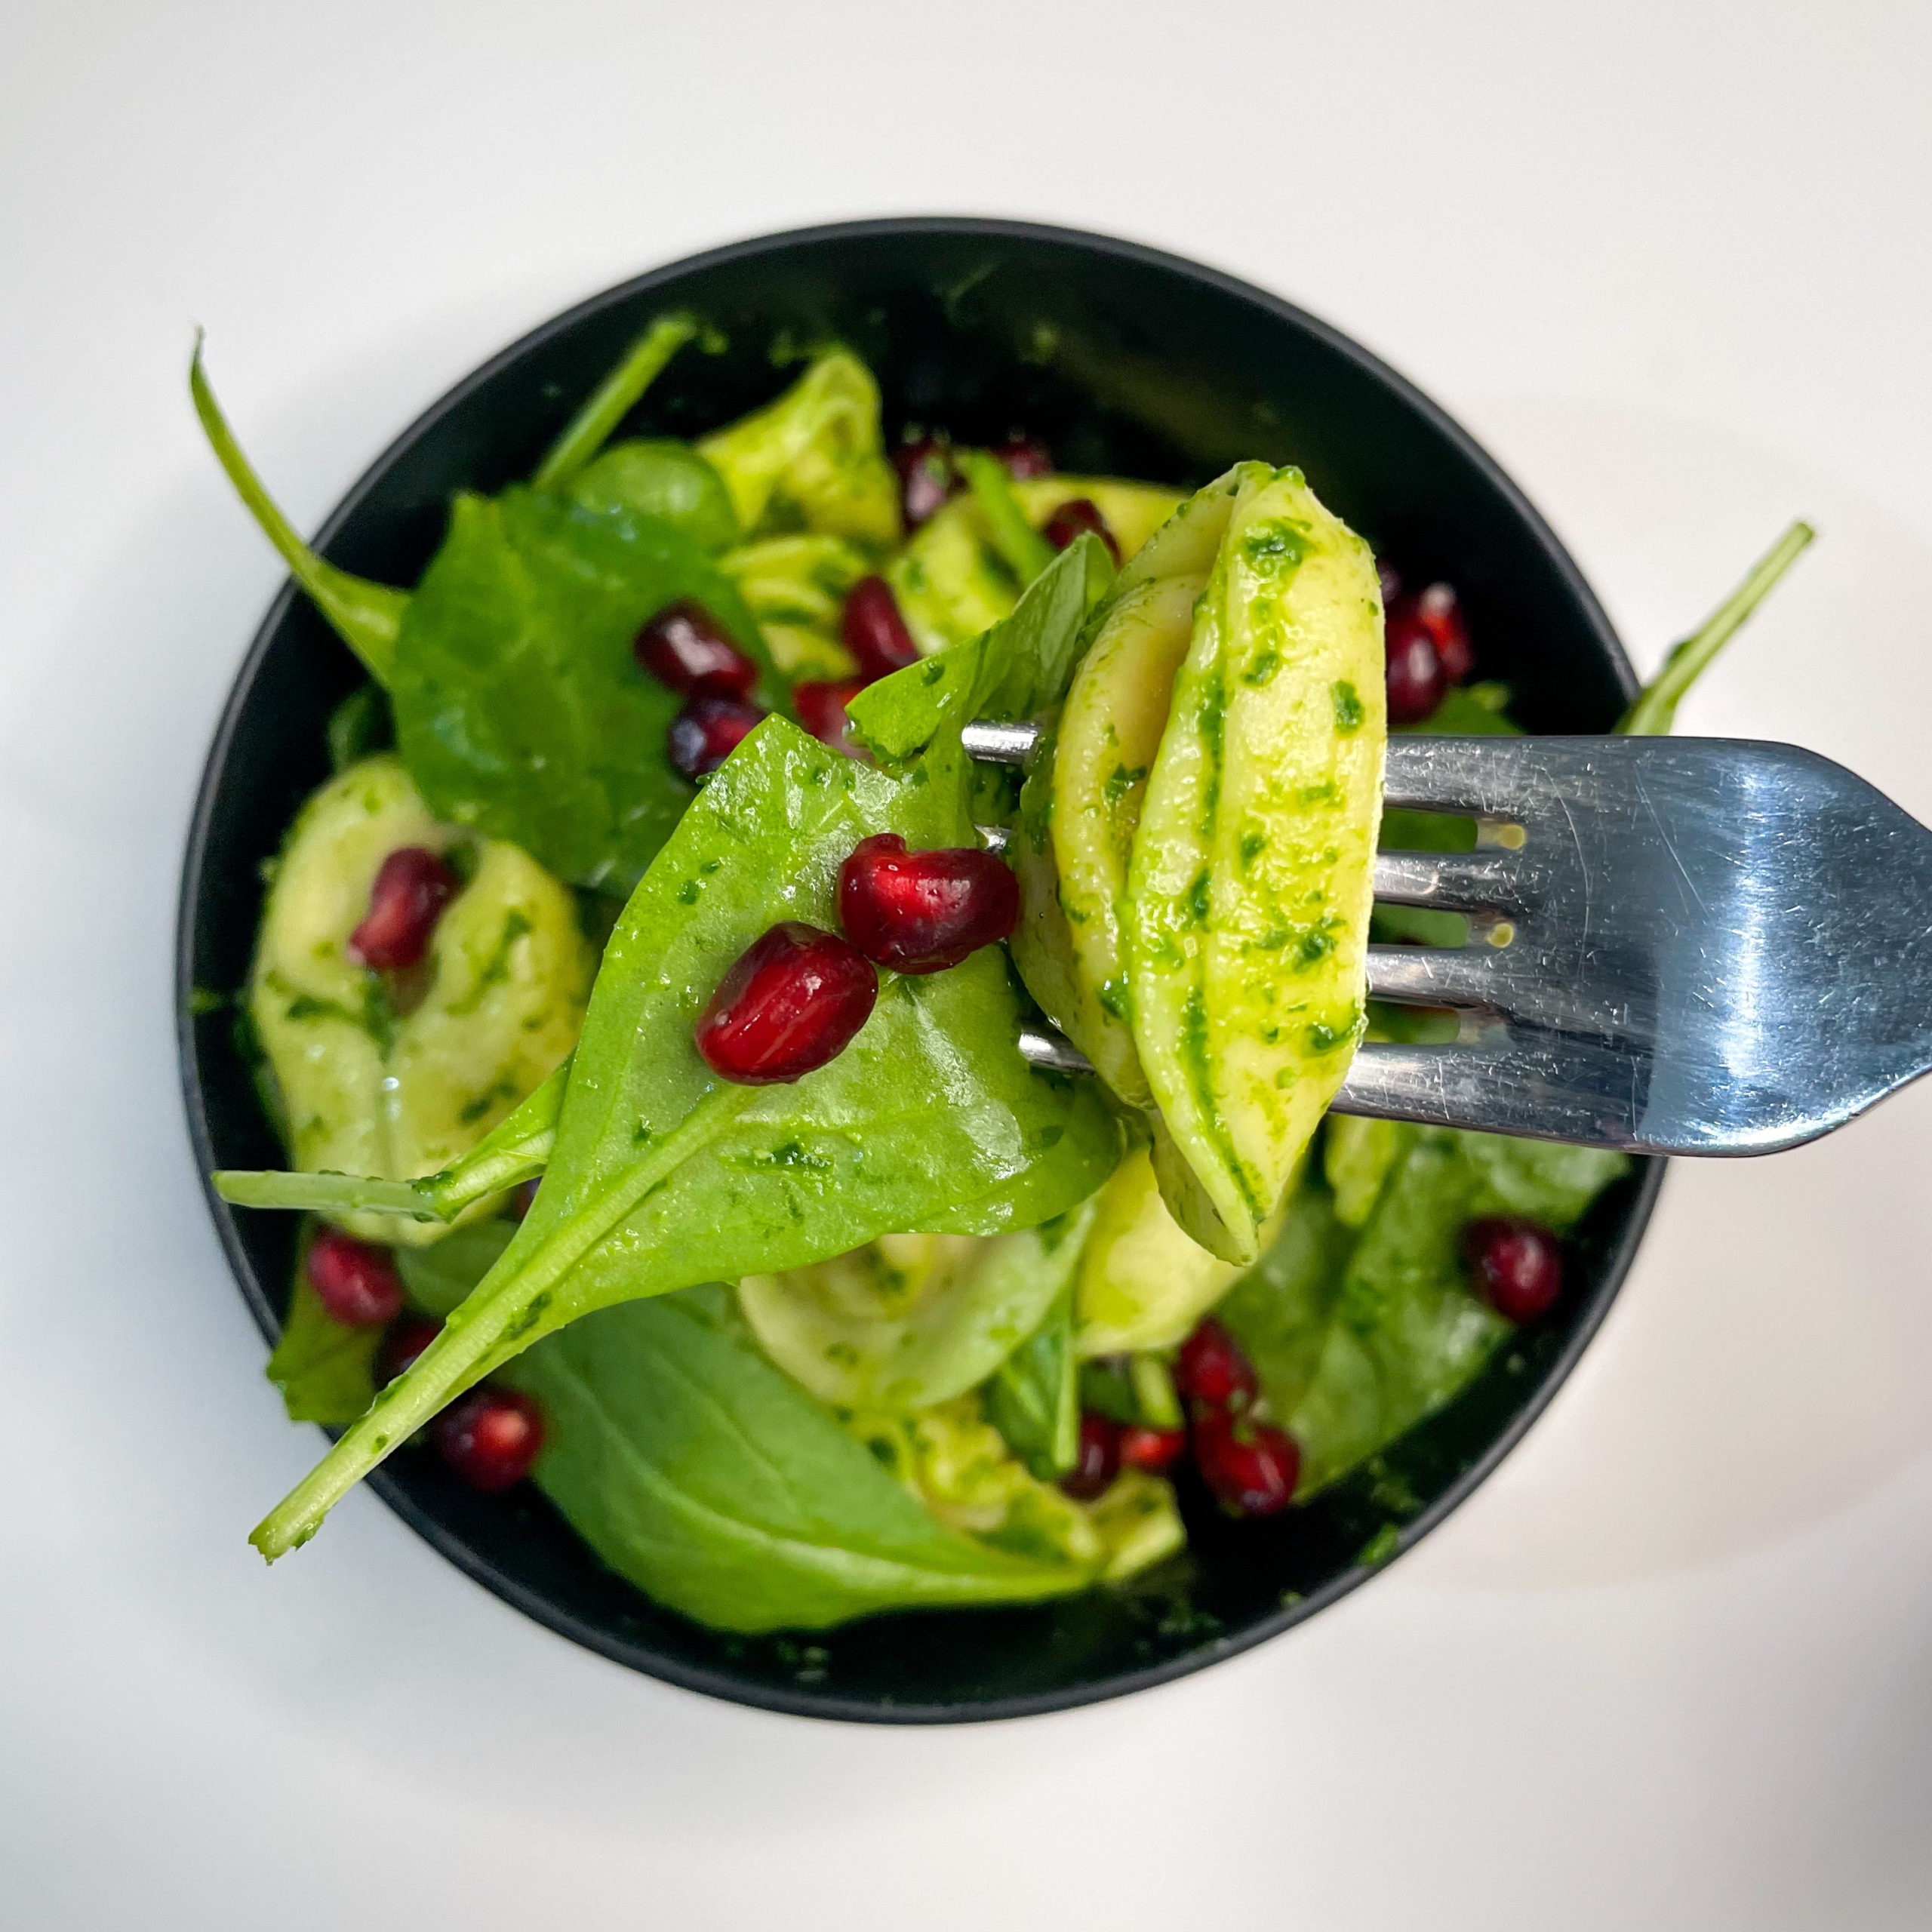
[(1672, 1667)]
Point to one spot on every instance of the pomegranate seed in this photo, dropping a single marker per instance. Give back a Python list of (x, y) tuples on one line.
[(926, 479), (490, 1437), (792, 1002), (1519, 1263), (1073, 519), (1440, 611), (1211, 1368), (874, 631), (1414, 668), (401, 1346), (406, 901), (1097, 1461), (821, 709), (707, 732), (1251, 1467), (686, 647), (1025, 457), (357, 1284), (923, 911), (1152, 1450), (523, 1199)]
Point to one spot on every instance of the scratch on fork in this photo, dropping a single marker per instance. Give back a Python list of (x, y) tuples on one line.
[(1669, 843)]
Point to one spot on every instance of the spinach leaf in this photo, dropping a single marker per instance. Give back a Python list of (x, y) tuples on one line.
[(324, 1368), (520, 708), (613, 400), (366, 617), (665, 479), (438, 1279), (359, 725), (1021, 548), (1034, 1400), (662, 1176), (698, 1471)]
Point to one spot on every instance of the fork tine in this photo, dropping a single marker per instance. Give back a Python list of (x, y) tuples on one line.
[(1455, 881)]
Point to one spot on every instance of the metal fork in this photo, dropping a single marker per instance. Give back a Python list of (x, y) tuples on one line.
[(1677, 945)]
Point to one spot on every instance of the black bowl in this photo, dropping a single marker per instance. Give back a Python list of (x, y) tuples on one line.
[(1125, 361)]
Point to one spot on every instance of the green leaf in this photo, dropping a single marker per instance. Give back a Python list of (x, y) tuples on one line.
[(665, 479), (366, 617), (357, 726), (1655, 711), (1034, 1399), (697, 1470), (521, 710), (1022, 549), (613, 400), (439, 1280), (323, 1367), (663, 1176)]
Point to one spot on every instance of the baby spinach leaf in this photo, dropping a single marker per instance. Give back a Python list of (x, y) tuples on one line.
[(662, 1176), (697, 1471), (613, 400), (366, 617), (358, 726), (1033, 1399), (520, 708), (439, 1279), (665, 479), (324, 1368)]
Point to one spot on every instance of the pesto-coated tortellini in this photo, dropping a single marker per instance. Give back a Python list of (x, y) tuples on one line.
[(393, 1076), (796, 586)]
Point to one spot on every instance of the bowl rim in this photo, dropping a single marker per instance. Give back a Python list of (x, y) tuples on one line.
[(799, 1701)]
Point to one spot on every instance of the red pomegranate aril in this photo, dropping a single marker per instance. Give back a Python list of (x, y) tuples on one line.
[(687, 648), (1096, 1461), (1414, 668), (1252, 1467), (792, 1002), (523, 1197), (406, 901), (821, 709), (1517, 1263), (1211, 1368), (1440, 611), (490, 1437), (1152, 1450), (1074, 519), (707, 732), (406, 1340), (926, 478), (357, 1284), (923, 911), (1025, 457), (873, 631)]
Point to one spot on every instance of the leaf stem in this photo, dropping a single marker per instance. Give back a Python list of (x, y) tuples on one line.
[(614, 399), (366, 617), (513, 1306), (1026, 552), (1655, 711)]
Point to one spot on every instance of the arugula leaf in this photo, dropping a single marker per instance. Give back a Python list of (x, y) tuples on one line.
[(324, 1369), (613, 400), (366, 617), (662, 1176), (520, 708), (697, 1470)]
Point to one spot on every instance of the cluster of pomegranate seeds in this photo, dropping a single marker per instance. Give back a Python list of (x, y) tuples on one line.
[(1251, 1466), (686, 649), (1076, 517), (1517, 1264), (406, 1340), (1024, 457), (406, 901), (1428, 645), (792, 1002), (923, 911), (358, 1285), (707, 732), (1097, 1460), (926, 478), (1153, 1450), (490, 1437), (873, 631)]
